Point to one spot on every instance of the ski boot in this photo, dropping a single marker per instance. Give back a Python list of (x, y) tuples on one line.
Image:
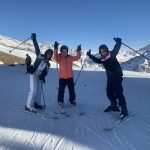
[(60, 104), (124, 112), (37, 106), (32, 110), (73, 103), (123, 115)]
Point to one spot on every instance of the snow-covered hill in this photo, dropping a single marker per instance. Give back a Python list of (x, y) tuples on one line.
[(139, 63), (7, 44), (23, 131), (129, 59), (145, 48)]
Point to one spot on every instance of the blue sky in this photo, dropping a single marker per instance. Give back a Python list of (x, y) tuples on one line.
[(73, 22)]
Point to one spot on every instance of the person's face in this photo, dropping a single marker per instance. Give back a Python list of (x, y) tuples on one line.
[(48, 55), (103, 52), (64, 52)]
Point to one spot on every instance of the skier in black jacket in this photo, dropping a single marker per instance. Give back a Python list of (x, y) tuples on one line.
[(37, 76), (114, 77)]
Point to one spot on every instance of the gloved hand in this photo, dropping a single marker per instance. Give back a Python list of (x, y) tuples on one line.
[(79, 48), (88, 53), (33, 36), (117, 40), (56, 44), (41, 77), (44, 73)]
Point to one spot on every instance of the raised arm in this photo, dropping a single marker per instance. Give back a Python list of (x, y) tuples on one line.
[(95, 59), (37, 49), (77, 57), (56, 56), (116, 48), (78, 54)]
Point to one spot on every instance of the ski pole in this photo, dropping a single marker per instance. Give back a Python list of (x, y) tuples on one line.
[(57, 57), (42, 93), (135, 51), (19, 45), (80, 71)]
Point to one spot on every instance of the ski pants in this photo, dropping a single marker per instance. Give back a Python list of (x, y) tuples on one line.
[(115, 91), (70, 84), (28, 67), (35, 93)]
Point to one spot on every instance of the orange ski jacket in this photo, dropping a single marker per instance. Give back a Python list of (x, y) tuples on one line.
[(65, 64)]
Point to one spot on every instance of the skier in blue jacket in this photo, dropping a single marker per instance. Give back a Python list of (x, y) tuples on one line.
[(114, 77)]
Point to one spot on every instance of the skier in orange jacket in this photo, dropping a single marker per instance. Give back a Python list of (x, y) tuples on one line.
[(65, 62)]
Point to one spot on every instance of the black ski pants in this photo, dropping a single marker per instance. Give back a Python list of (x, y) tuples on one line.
[(28, 67), (70, 84), (115, 91)]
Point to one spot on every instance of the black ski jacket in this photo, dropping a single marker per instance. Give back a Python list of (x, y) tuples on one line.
[(39, 58), (111, 65)]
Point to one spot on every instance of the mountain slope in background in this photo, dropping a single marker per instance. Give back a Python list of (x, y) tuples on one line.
[(139, 63), (10, 59), (129, 59)]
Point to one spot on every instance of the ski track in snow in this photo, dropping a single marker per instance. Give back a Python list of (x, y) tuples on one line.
[(59, 143)]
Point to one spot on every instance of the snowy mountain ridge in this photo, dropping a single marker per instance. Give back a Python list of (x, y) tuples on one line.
[(139, 63), (129, 59)]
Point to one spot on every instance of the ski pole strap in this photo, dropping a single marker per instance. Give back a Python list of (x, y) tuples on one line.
[(19, 44), (135, 51)]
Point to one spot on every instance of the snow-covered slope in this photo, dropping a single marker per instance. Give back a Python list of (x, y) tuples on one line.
[(7, 45), (20, 131), (145, 48), (139, 63)]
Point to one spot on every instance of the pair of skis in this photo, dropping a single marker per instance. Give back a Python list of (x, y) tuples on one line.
[(119, 122), (52, 115), (75, 110), (57, 114), (62, 112)]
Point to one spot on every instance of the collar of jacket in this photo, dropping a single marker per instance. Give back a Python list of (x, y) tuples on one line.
[(105, 57), (64, 56)]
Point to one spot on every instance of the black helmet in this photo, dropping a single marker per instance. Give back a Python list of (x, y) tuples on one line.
[(63, 47), (103, 47), (50, 51)]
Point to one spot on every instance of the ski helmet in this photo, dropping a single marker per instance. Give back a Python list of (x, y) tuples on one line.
[(63, 47)]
